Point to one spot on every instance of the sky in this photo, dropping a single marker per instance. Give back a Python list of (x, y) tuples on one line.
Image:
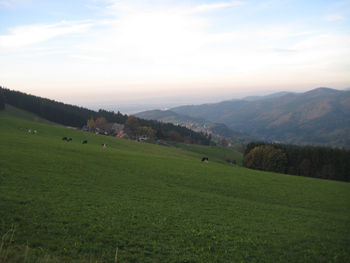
[(171, 52)]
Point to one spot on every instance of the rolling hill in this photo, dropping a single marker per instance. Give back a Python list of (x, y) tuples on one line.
[(319, 117), (196, 124), (138, 202)]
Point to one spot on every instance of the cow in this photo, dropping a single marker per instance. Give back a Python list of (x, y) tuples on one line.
[(64, 139), (85, 142), (205, 159), (69, 139), (104, 145)]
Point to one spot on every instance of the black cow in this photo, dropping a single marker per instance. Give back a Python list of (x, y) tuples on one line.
[(64, 139), (69, 139), (85, 142), (205, 159)]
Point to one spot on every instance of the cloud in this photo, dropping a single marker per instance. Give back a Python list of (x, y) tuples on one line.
[(14, 3), (281, 32), (335, 17), (22, 36), (332, 42), (157, 45), (88, 58), (148, 46), (120, 7), (211, 7)]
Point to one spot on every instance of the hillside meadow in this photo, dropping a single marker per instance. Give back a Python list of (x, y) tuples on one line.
[(138, 202)]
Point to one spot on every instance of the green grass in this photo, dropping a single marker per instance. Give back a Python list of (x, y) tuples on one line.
[(68, 202), (215, 153)]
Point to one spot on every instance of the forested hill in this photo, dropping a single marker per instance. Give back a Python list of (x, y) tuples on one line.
[(2, 100), (71, 115), (55, 111), (310, 161), (215, 129), (319, 117)]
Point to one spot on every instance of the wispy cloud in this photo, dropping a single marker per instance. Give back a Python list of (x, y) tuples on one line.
[(13, 3), (330, 42), (335, 17), (282, 32), (89, 58), (22, 36), (120, 7), (211, 7)]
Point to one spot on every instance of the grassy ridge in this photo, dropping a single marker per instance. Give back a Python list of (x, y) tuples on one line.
[(159, 204)]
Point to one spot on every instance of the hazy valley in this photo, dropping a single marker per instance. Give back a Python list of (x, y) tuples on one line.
[(317, 117)]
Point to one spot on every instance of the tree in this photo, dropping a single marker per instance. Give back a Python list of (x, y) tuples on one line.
[(311, 161), (266, 158), (101, 122), (175, 136), (131, 125), (91, 123), (327, 172), (146, 131), (2, 100), (305, 167)]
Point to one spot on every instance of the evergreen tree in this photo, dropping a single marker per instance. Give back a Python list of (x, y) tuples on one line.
[(2, 100)]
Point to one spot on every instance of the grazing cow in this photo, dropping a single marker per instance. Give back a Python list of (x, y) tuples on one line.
[(205, 159), (104, 145), (69, 139), (85, 142), (64, 139), (35, 131)]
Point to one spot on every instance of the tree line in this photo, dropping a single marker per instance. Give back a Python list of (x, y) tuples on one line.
[(2, 100), (71, 115), (310, 161)]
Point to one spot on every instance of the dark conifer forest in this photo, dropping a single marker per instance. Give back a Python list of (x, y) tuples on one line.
[(2, 100), (310, 161)]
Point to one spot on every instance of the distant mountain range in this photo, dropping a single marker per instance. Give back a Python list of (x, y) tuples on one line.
[(270, 96), (318, 117)]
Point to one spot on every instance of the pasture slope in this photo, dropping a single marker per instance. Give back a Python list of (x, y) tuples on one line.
[(214, 153), (68, 202)]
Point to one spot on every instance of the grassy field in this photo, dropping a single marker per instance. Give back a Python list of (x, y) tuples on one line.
[(214, 153), (68, 202)]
